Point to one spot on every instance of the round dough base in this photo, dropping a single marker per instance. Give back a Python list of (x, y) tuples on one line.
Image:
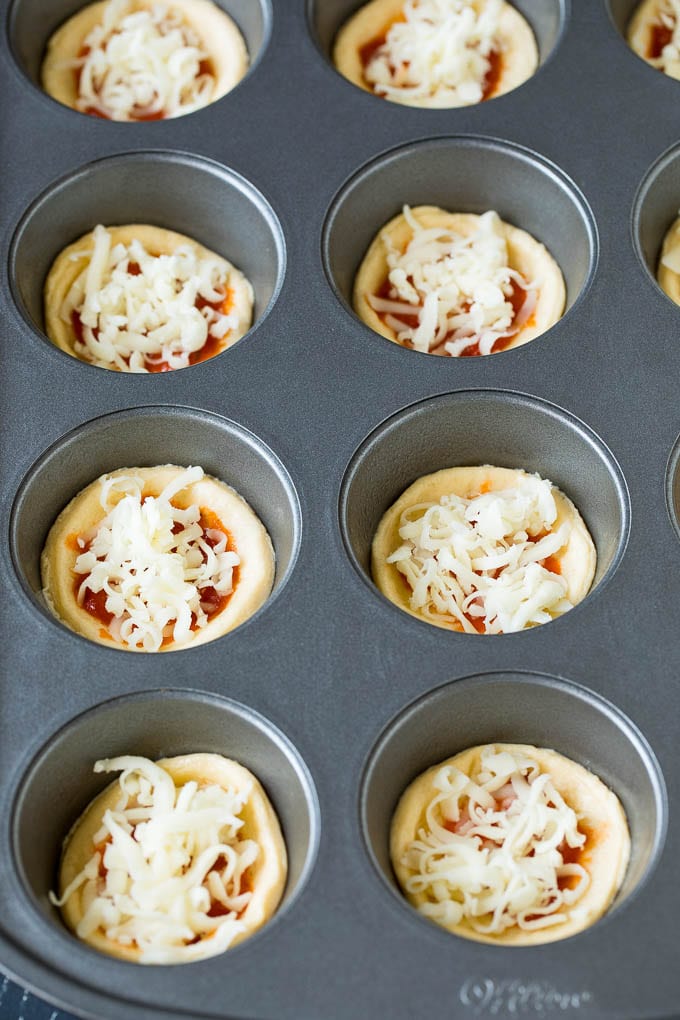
[(577, 559), (518, 46), (71, 262), (84, 512), (219, 36), (599, 812), (267, 874), (667, 278), (525, 254)]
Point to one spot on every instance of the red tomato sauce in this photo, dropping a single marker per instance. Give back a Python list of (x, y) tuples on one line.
[(659, 36)]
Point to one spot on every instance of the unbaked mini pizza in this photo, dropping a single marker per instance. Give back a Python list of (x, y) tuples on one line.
[(654, 34), (457, 284), (483, 550), (142, 60), (176, 861), (139, 298), (156, 559), (511, 844), (436, 53)]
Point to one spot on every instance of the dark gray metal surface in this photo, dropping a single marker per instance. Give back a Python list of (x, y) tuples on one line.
[(328, 662)]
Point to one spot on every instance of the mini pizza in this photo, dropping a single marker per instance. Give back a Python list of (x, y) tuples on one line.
[(654, 34), (436, 53), (139, 298), (156, 559), (457, 284), (668, 270), (511, 844), (176, 861), (141, 60), (483, 550)]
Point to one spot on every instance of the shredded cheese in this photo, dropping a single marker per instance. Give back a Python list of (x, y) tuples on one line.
[(142, 65), (478, 560), (155, 563), (168, 867), (136, 310), (668, 18), (440, 51), (459, 287), (492, 850)]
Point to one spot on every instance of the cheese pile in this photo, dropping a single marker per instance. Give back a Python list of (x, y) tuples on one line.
[(440, 52), (459, 287), (153, 560), (163, 858), (142, 64), (502, 865), (668, 60), (474, 559), (132, 319)]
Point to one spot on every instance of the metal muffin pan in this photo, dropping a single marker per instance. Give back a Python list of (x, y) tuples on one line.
[(332, 694)]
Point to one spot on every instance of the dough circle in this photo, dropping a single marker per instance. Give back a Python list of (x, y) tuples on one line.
[(525, 254), (668, 279), (599, 813), (639, 33), (219, 36), (84, 512), (577, 559), (516, 40), (74, 259), (267, 873)]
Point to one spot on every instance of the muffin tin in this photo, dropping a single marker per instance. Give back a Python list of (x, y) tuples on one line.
[(330, 694)]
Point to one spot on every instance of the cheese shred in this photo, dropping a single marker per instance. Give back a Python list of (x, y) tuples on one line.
[(440, 52), (460, 288), (156, 565), (142, 65), (476, 564)]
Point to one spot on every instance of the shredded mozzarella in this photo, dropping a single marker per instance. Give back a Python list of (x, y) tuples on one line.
[(459, 287), (478, 560), (491, 852), (668, 60), (168, 867), (440, 51), (137, 309), (142, 64), (154, 562)]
